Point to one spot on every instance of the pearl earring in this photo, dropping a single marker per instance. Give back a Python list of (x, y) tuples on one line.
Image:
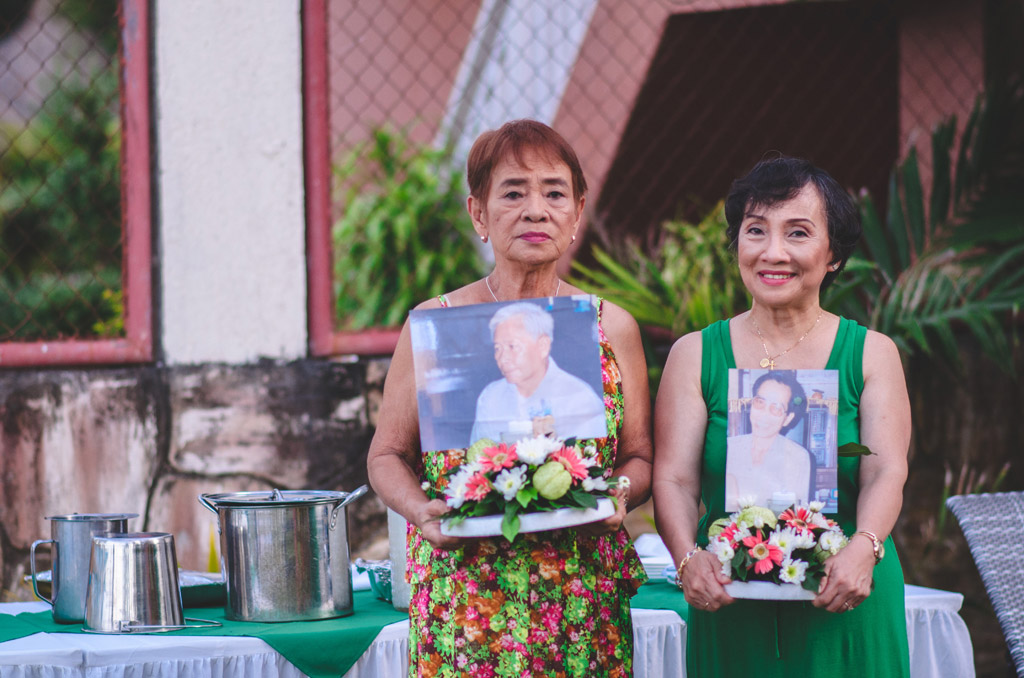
[(483, 238), (573, 237)]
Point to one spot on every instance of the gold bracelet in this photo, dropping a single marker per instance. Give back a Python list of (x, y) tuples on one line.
[(876, 544), (683, 563)]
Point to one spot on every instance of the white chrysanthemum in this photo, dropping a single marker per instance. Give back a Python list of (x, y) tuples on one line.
[(722, 550), (747, 500), (591, 484), (785, 539), (815, 506), (793, 571), (455, 493), (425, 485), (819, 519), (802, 539), (590, 451), (742, 532), (534, 451), (510, 481), (832, 541)]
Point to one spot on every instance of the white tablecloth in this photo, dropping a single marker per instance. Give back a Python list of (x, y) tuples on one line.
[(939, 647)]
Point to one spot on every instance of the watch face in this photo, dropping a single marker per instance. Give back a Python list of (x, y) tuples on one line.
[(880, 551)]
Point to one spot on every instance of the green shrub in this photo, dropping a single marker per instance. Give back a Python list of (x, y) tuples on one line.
[(404, 235), (60, 214), (687, 282)]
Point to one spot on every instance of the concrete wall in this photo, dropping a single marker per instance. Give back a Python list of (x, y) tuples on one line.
[(228, 112), (149, 440)]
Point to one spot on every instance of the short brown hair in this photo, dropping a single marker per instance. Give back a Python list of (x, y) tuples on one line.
[(515, 138)]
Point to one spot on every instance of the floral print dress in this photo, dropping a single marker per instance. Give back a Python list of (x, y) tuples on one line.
[(549, 604)]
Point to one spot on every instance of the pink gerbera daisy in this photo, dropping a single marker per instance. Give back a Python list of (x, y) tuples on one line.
[(477, 487), (765, 555), (498, 457), (798, 518), (571, 460)]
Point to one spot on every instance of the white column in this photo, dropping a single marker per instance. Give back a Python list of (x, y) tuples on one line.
[(228, 112)]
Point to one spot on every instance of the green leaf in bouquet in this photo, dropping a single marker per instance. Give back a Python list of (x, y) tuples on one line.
[(510, 521), (526, 495), (454, 518), (854, 450), (811, 583), (740, 564), (582, 498)]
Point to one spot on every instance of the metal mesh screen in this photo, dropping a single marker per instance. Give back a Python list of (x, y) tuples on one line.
[(60, 189), (664, 101)]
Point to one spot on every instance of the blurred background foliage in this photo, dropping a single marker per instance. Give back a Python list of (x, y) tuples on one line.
[(404, 235), (60, 216)]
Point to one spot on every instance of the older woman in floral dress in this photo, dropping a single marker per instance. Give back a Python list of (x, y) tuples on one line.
[(550, 603)]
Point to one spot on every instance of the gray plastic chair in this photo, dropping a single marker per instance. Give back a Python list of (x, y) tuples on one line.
[(993, 525)]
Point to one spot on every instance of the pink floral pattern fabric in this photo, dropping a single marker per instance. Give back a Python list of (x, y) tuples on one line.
[(548, 604)]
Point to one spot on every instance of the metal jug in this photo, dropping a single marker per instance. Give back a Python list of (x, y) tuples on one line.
[(72, 544), (133, 585)]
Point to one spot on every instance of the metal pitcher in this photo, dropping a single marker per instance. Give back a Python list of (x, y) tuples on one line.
[(69, 554), (133, 585)]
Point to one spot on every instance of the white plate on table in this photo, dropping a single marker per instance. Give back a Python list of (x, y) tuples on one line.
[(490, 526)]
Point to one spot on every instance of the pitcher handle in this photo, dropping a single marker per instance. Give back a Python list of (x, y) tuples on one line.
[(128, 627), (32, 565), (206, 502)]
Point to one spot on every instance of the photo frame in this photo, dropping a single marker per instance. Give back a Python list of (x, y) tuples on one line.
[(781, 444), (489, 371)]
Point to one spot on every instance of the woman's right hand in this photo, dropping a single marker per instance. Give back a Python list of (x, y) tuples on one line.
[(428, 519), (703, 583)]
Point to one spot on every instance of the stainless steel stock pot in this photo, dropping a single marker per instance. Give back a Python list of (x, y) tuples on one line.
[(284, 553)]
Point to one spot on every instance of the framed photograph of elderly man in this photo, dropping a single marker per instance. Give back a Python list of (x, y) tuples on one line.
[(507, 371), (782, 432)]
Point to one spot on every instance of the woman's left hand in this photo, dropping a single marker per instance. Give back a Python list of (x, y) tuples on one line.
[(613, 522), (848, 577)]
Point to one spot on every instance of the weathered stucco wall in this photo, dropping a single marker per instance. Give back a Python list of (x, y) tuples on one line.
[(149, 440)]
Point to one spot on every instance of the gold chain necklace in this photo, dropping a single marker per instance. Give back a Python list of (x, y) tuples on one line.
[(487, 281), (769, 360)]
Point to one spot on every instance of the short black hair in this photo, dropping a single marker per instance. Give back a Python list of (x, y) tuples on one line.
[(777, 180), (797, 396)]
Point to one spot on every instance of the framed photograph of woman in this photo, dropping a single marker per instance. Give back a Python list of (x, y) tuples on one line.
[(507, 371), (781, 444)]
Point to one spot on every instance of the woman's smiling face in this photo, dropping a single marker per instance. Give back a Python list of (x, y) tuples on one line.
[(783, 250), (530, 214)]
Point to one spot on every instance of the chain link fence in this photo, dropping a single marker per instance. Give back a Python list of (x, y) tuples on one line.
[(60, 187), (665, 101)]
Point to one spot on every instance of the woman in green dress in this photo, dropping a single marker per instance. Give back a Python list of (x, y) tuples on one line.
[(792, 228), (550, 603)]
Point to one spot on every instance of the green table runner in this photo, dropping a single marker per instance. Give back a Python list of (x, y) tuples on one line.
[(325, 648), (317, 648), (660, 595)]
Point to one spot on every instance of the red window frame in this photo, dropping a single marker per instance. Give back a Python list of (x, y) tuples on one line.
[(136, 205), (324, 339)]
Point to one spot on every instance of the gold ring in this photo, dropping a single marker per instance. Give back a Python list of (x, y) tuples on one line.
[(707, 604)]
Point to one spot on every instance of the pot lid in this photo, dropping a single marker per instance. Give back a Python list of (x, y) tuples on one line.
[(269, 498)]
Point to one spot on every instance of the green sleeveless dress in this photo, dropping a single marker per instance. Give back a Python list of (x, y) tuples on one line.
[(788, 638)]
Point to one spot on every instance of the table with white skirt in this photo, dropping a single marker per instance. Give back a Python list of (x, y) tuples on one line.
[(939, 646)]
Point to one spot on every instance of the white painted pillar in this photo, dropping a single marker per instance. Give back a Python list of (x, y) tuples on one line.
[(228, 112)]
